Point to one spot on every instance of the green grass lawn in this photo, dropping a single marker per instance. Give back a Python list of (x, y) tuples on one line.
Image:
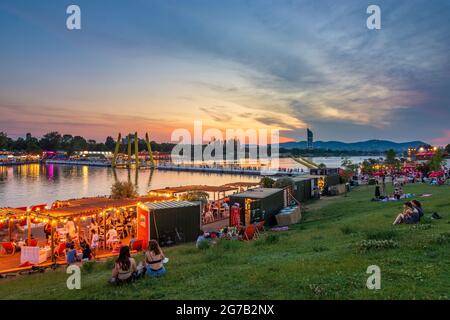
[(323, 257)]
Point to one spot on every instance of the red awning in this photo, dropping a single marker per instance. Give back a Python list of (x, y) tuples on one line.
[(436, 174)]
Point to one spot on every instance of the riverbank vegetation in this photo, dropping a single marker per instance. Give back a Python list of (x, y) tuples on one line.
[(326, 256), (54, 141)]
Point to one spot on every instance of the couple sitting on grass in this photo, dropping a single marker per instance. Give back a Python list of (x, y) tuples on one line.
[(125, 268), (412, 212)]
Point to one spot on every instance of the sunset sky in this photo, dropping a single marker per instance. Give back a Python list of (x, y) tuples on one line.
[(158, 65)]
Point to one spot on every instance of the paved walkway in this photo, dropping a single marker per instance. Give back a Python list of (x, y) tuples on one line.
[(217, 225)]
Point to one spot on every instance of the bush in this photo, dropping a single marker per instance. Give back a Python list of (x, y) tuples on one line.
[(196, 196), (283, 183), (88, 266), (123, 190), (204, 244), (266, 182), (367, 245)]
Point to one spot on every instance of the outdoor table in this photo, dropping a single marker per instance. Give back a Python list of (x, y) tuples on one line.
[(34, 255)]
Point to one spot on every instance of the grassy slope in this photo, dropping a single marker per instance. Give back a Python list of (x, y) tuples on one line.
[(316, 259)]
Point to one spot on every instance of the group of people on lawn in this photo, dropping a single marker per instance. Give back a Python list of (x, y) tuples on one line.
[(125, 268)]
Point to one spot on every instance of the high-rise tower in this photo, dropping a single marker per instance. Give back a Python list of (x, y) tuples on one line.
[(310, 141)]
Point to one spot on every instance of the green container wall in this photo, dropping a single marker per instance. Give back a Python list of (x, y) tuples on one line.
[(303, 190), (332, 180), (185, 219)]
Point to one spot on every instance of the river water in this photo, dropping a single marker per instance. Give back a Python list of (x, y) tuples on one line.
[(38, 183)]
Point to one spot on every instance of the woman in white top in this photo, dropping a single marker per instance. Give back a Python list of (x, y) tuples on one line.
[(111, 237), (71, 229), (94, 242)]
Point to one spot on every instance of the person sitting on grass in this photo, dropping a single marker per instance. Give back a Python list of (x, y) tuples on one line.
[(225, 234), (409, 215), (86, 253), (83, 242), (204, 240), (124, 268), (132, 240), (71, 254), (154, 260), (418, 206)]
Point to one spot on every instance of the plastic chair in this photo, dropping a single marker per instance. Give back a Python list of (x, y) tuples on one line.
[(249, 232), (137, 245), (259, 228), (8, 248), (112, 241), (32, 243), (60, 250)]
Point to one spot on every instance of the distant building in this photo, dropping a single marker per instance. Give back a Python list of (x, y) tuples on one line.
[(310, 141)]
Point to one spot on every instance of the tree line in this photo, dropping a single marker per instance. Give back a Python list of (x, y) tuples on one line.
[(54, 141)]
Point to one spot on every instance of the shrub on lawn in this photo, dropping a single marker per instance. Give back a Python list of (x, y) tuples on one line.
[(366, 245), (203, 245), (88, 266), (382, 235)]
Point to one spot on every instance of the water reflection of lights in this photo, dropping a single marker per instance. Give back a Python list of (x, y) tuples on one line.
[(50, 171), (28, 170), (85, 176), (3, 172)]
